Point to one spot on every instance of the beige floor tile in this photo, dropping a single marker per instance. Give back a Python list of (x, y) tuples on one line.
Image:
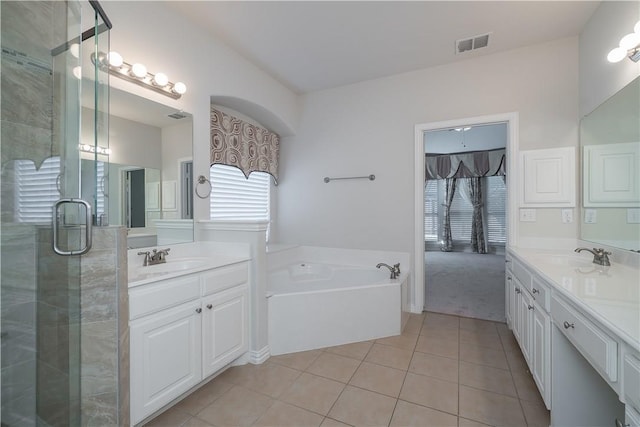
[(203, 397), (413, 325), (356, 350), (378, 378), (509, 343), (237, 373), (314, 393), (389, 356), (269, 378), (481, 339), (483, 356), (487, 378), (237, 407), (503, 329), (526, 387), (329, 422), (281, 414), (536, 414), (409, 414), (516, 361), (299, 361), (443, 368), (170, 418), (334, 366), (363, 408), (404, 341), (463, 422), (196, 422), (430, 392), (444, 321), (478, 325), (439, 333), (490, 408), (446, 347)]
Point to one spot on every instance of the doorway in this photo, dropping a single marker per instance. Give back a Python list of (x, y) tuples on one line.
[(511, 122)]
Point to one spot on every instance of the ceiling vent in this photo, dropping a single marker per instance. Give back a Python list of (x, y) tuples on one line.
[(178, 115), (473, 43)]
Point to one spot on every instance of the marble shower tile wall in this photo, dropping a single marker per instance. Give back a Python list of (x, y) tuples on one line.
[(104, 319)]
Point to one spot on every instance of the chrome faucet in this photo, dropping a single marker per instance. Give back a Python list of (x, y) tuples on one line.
[(600, 256), (395, 270), (157, 257)]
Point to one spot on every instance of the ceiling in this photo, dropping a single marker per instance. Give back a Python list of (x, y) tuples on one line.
[(315, 45), (472, 138)]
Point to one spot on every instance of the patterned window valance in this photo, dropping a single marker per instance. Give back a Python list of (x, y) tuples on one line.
[(250, 148), (465, 165)]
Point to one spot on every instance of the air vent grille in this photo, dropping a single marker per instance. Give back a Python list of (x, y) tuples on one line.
[(472, 43), (178, 115)]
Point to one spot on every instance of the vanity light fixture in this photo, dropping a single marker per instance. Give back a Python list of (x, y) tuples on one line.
[(93, 149), (137, 73), (629, 47)]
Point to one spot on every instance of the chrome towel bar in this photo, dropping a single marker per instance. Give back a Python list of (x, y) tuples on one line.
[(369, 177)]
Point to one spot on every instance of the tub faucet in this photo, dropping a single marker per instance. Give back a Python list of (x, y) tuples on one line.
[(395, 270), (600, 256)]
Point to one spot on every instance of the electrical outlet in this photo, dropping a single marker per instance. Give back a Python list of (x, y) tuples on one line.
[(567, 216), (633, 216), (527, 215), (590, 216)]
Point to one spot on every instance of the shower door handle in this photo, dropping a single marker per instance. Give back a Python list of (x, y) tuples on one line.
[(88, 227)]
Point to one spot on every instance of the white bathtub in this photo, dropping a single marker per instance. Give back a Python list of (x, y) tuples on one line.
[(314, 304)]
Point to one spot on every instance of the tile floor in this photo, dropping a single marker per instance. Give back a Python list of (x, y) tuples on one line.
[(442, 371)]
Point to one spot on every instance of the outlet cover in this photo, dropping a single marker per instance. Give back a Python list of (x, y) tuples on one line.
[(633, 216), (567, 216), (590, 216), (527, 215)]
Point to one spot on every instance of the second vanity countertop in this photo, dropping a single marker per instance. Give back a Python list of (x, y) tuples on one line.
[(610, 295)]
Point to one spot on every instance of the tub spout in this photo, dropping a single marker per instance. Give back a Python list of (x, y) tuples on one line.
[(395, 270)]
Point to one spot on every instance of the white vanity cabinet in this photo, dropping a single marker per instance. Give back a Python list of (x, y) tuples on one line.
[(530, 321), (184, 330)]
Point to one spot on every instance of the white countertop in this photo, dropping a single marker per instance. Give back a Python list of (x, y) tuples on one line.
[(610, 295)]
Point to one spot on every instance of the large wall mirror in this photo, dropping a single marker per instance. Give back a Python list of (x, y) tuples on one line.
[(145, 183), (610, 143)]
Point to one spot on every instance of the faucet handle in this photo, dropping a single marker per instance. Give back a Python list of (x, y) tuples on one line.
[(396, 267)]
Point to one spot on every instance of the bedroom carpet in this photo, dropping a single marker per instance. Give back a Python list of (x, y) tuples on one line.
[(465, 284)]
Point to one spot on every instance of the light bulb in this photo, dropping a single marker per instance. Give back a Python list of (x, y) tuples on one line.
[(636, 28), (179, 88), (74, 49), (139, 70), (630, 41), (617, 55), (161, 79), (115, 59), (77, 72)]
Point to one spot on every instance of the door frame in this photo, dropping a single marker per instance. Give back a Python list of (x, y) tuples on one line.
[(419, 176)]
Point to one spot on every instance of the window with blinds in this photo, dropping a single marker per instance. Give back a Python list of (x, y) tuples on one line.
[(235, 197), (431, 211), (495, 202), (36, 190)]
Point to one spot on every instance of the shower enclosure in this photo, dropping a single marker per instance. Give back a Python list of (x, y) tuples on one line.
[(47, 217)]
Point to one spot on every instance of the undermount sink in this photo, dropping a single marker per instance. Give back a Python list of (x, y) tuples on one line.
[(567, 260), (176, 264)]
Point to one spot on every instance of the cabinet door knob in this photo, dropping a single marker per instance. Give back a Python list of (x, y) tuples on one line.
[(198, 310), (530, 307), (517, 290), (209, 306), (568, 325), (535, 291)]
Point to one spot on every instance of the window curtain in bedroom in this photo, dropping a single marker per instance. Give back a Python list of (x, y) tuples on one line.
[(248, 147), (450, 190), (478, 242)]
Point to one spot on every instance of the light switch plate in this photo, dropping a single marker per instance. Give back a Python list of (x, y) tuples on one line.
[(633, 216), (527, 215), (567, 216), (590, 216)]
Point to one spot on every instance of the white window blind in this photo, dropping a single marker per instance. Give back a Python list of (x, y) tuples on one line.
[(431, 211), (461, 214), (496, 200), (36, 190), (235, 197)]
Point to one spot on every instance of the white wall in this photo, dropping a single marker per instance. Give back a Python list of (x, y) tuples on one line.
[(153, 34), (600, 79), (368, 128)]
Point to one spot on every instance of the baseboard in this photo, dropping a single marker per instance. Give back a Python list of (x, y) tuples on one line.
[(260, 356)]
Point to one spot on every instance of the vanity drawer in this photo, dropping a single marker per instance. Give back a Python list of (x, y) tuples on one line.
[(594, 344), (522, 274), (223, 278), (157, 296), (631, 372), (541, 293)]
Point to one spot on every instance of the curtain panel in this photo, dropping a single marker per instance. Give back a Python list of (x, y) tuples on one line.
[(465, 165), (250, 148)]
